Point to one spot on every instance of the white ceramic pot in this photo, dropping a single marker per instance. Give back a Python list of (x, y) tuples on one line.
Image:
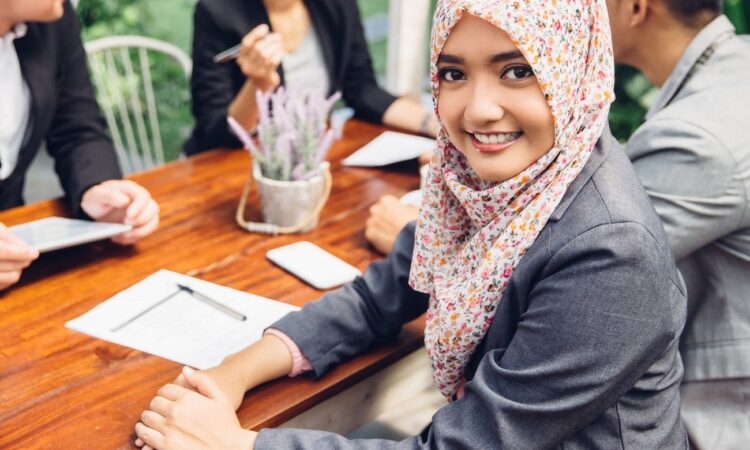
[(289, 203)]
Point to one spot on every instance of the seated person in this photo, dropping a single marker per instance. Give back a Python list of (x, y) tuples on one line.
[(47, 97), (317, 45), (554, 306), (693, 156)]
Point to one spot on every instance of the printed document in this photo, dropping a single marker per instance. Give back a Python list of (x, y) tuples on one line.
[(157, 317)]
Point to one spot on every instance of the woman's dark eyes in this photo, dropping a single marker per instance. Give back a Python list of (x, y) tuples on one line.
[(514, 73), (451, 75), (517, 73)]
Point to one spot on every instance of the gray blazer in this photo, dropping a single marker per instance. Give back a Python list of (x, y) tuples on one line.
[(583, 350), (693, 157)]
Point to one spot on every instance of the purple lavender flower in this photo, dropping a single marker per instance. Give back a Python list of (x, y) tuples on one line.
[(293, 132)]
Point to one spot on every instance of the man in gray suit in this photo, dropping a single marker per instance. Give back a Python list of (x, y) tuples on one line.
[(693, 156)]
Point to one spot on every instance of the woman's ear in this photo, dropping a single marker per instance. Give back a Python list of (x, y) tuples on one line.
[(638, 11)]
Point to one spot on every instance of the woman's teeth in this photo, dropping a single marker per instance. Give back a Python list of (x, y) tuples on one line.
[(500, 138)]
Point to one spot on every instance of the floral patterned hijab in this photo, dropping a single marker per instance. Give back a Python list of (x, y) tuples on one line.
[(471, 233)]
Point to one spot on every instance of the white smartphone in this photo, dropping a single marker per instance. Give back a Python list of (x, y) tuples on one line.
[(313, 265)]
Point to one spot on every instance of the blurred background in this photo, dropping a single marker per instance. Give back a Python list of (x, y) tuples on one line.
[(171, 21)]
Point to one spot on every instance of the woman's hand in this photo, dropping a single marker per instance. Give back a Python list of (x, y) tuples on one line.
[(230, 388), (387, 217), (196, 418), (260, 57)]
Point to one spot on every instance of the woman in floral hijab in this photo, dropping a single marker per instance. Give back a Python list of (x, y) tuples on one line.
[(474, 229), (553, 304)]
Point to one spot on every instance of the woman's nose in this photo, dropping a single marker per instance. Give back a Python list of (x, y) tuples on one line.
[(482, 108)]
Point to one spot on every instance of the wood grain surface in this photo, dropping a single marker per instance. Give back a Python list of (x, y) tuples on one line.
[(62, 389)]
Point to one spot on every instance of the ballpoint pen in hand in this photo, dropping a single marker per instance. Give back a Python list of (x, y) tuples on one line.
[(228, 54)]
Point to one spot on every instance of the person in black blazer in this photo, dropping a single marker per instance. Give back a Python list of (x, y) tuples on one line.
[(48, 97), (268, 30)]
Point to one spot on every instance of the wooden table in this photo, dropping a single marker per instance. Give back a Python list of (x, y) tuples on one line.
[(62, 389)]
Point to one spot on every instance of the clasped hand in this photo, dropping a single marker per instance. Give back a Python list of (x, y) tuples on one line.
[(196, 411)]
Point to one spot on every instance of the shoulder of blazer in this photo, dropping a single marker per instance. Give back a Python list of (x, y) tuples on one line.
[(39, 57), (237, 16), (339, 11)]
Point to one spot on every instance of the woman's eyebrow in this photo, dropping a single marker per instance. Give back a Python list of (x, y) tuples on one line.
[(500, 57), (494, 59), (450, 59)]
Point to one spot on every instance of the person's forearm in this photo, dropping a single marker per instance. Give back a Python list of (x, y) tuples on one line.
[(263, 361), (410, 115), (244, 108)]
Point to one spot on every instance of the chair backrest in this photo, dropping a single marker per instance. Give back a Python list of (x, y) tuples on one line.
[(122, 72)]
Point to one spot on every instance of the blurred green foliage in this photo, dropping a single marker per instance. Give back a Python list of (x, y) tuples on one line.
[(101, 18)]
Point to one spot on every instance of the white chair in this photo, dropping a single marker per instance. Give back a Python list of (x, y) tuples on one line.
[(122, 73)]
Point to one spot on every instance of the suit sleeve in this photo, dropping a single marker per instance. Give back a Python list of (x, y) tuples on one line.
[(211, 84), (360, 88), (77, 139), (604, 310), (369, 311), (690, 177)]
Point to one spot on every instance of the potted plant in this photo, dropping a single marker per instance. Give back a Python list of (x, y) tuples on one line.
[(289, 168)]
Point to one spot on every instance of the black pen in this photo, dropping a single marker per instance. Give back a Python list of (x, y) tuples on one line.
[(213, 303), (228, 54)]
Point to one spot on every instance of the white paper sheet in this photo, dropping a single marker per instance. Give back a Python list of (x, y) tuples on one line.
[(388, 148), (182, 329)]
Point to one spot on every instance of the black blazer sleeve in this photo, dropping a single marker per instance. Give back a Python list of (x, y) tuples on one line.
[(77, 138), (213, 86), (360, 88)]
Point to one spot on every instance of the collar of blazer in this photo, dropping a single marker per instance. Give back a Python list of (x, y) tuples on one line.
[(33, 60), (697, 53), (598, 156)]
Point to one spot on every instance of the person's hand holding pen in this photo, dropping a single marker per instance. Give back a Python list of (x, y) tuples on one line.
[(260, 55)]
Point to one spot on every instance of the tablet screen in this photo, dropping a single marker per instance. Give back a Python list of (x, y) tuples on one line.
[(53, 233)]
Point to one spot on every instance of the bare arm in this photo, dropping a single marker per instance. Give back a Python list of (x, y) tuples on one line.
[(244, 108), (410, 115), (263, 361)]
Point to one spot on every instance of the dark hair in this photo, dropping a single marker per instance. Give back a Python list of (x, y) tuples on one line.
[(689, 10)]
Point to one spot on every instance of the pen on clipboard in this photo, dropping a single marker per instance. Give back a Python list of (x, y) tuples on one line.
[(228, 54), (213, 303), (140, 314)]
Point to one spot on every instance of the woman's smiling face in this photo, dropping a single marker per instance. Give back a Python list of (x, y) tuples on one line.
[(490, 102)]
